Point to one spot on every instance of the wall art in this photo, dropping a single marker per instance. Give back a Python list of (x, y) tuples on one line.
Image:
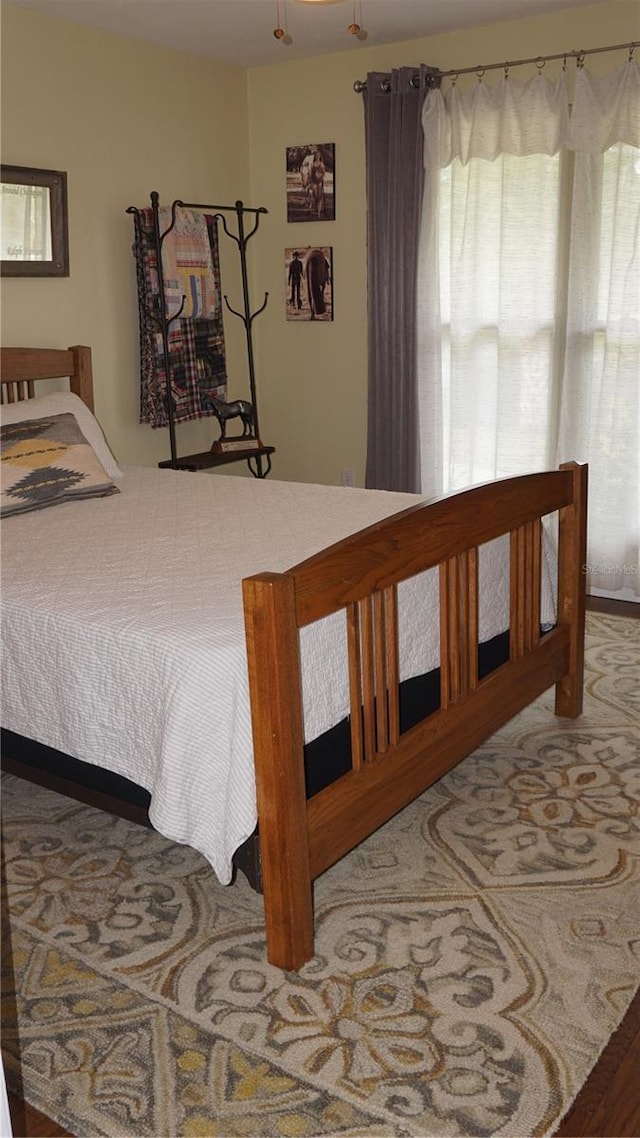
[(309, 283), (311, 182), (33, 222)]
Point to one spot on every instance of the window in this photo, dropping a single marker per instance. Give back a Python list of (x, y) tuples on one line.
[(529, 294)]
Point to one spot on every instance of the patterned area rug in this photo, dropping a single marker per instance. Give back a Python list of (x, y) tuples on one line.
[(474, 956)]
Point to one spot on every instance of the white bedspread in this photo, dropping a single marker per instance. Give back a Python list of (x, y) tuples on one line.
[(123, 633)]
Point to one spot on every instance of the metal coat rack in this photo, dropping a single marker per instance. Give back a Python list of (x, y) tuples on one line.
[(258, 458)]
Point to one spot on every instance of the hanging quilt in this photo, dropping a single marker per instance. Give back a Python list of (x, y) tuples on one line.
[(191, 278)]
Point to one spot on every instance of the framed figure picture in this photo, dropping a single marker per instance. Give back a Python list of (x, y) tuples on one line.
[(311, 182), (309, 283)]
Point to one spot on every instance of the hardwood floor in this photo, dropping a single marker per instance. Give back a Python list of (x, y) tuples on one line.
[(614, 608), (608, 1105), (26, 1122)]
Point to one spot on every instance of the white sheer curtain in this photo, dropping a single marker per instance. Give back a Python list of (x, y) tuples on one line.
[(529, 294)]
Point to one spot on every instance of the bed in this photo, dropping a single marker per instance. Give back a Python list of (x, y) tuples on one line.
[(153, 627)]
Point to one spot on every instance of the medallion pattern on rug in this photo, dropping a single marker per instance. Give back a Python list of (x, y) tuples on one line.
[(473, 956)]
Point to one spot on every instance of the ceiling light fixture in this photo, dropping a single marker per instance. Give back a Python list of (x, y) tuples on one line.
[(355, 27), (281, 31)]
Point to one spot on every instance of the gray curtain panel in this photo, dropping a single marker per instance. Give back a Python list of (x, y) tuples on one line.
[(393, 104)]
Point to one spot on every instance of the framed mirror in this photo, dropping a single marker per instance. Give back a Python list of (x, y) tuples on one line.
[(33, 222)]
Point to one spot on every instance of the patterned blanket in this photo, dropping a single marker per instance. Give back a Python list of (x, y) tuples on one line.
[(191, 270)]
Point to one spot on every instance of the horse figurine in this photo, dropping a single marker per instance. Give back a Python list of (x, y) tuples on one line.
[(239, 408)]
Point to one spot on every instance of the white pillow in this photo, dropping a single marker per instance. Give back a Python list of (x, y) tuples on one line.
[(57, 403)]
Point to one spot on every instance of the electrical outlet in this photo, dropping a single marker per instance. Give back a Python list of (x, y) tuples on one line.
[(347, 478)]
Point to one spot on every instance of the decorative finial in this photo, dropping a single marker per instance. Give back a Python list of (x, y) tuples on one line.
[(281, 32)]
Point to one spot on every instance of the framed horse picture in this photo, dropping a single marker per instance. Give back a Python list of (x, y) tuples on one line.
[(311, 182), (309, 283)]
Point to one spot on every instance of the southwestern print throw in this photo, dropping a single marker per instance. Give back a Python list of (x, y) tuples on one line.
[(47, 461)]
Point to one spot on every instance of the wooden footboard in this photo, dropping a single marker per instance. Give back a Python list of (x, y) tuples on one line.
[(300, 838)]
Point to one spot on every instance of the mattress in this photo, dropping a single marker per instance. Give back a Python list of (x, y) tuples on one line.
[(123, 632)]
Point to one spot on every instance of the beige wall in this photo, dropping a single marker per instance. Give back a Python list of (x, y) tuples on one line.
[(313, 402), (124, 118)]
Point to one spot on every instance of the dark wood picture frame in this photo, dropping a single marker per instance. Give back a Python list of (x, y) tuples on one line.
[(56, 182), (310, 198)]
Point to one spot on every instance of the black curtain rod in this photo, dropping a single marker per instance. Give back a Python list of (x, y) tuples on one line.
[(435, 74), (239, 207)]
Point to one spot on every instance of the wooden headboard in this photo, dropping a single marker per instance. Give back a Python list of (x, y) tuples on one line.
[(23, 367)]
